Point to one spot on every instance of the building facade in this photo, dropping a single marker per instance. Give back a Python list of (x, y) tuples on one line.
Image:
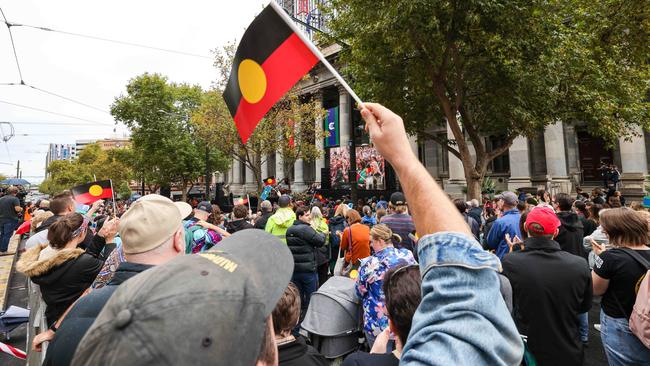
[(559, 159), (59, 152)]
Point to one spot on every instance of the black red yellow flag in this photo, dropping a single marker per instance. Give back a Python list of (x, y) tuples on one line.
[(90, 192), (270, 60)]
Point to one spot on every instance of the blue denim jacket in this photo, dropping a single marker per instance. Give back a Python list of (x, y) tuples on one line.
[(462, 320)]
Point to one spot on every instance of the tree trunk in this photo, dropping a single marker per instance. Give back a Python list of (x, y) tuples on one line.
[(287, 174), (184, 190), (473, 188)]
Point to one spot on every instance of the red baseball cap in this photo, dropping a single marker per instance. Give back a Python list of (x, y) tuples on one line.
[(542, 221)]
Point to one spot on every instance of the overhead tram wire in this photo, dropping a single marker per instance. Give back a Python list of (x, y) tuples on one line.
[(56, 113), (56, 95), (46, 29), (13, 46), (66, 98), (51, 123)]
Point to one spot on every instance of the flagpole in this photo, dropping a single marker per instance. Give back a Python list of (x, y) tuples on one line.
[(248, 198), (113, 197), (278, 9)]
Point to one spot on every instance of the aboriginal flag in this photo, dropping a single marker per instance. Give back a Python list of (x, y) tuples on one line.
[(271, 58), (90, 192)]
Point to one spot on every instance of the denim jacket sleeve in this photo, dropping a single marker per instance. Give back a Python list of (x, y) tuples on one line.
[(462, 319)]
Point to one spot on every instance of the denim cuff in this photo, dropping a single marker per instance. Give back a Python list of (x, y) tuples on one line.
[(454, 249)]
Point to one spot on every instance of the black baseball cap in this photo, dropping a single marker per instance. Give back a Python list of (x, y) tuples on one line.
[(197, 309), (398, 199), (204, 206)]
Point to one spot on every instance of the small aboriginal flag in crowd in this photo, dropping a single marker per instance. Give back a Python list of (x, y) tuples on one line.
[(90, 192), (271, 58), (270, 181), (240, 201)]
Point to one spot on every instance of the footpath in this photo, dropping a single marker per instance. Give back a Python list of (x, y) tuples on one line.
[(13, 292), (6, 263)]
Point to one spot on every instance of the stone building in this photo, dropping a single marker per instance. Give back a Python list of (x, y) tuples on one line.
[(560, 158)]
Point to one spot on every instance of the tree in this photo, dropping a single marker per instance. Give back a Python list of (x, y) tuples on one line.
[(497, 68), (291, 119), (166, 149), (92, 164)]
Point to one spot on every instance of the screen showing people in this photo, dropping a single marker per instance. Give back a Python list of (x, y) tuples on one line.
[(339, 166), (370, 167)]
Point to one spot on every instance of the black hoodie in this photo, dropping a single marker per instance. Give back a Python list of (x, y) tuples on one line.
[(298, 353), (237, 225), (571, 233)]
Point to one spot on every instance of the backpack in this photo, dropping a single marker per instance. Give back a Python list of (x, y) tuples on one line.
[(640, 317)]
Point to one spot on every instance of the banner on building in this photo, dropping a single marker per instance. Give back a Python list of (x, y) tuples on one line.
[(331, 125)]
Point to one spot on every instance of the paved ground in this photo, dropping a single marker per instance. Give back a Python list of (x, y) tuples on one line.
[(6, 261), (17, 295), (594, 354)]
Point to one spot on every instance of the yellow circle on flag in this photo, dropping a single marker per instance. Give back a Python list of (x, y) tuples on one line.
[(95, 190), (252, 81)]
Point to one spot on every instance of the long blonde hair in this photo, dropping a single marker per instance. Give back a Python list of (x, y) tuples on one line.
[(383, 232)]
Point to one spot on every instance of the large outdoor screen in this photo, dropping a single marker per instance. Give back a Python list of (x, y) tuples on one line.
[(370, 168)]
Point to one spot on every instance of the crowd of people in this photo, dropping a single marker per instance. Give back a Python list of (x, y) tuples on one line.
[(498, 282)]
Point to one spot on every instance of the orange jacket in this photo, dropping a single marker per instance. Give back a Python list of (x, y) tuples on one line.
[(360, 243)]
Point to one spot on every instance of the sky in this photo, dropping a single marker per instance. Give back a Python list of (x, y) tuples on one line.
[(94, 72)]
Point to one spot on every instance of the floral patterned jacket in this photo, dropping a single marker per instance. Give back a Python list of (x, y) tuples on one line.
[(369, 282)]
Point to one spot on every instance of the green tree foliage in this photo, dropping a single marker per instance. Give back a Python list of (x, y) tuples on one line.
[(92, 164), (498, 68), (291, 119), (166, 149)]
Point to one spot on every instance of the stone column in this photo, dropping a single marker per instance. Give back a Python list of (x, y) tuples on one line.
[(298, 184), (413, 142), (456, 181), (279, 168), (251, 184), (634, 165), (320, 162), (237, 184), (519, 164), (345, 119), (556, 166)]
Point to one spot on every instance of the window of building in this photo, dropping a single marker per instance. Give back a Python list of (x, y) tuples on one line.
[(422, 152), (270, 166), (242, 172), (442, 156), (500, 164)]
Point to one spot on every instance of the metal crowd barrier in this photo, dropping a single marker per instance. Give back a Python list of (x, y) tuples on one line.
[(36, 325)]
